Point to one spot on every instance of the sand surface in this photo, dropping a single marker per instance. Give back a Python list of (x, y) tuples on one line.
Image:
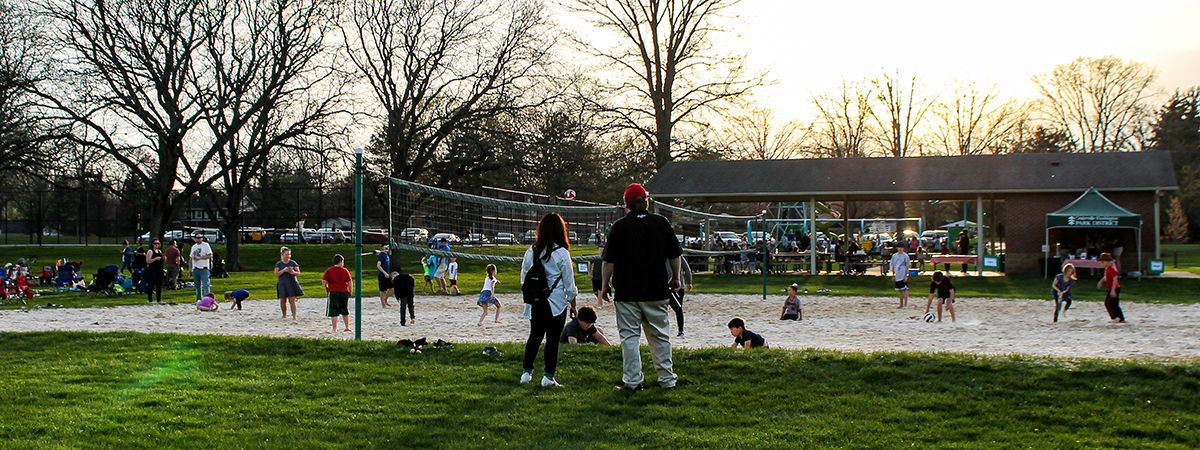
[(985, 325)]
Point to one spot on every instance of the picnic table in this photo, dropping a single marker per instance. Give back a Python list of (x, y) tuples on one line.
[(954, 259)]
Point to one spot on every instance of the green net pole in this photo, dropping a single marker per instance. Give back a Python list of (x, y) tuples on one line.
[(358, 172)]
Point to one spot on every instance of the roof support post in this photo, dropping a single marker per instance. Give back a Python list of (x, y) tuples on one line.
[(1157, 227), (979, 233), (812, 235)]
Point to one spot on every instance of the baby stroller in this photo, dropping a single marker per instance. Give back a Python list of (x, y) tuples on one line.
[(218, 267), (103, 281)]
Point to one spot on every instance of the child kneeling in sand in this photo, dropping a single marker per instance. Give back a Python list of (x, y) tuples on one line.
[(208, 303), (791, 306), (745, 338), (582, 329), (236, 297)]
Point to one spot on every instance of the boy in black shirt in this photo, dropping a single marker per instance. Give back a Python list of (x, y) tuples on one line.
[(944, 290), (582, 329), (403, 285), (745, 338)]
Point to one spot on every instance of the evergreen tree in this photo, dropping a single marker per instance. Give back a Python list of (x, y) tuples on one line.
[(1178, 131)]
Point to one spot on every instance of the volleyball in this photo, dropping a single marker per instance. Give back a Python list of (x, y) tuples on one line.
[(929, 317), (570, 194)]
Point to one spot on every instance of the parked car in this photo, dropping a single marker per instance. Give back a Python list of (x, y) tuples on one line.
[(727, 236), (595, 239), (756, 236), (505, 239), (173, 235), (325, 236), (572, 237), (476, 239), (930, 237), (415, 235), (375, 236), (450, 238), (290, 236), (254, 235), (530, 237)]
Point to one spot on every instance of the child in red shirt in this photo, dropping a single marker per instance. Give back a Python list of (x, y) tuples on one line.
[(1112, 302), (336, 281)]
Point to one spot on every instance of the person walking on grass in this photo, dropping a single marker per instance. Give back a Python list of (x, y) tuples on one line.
[(1061, 288), (171, 261), (899, 265), (1112, 301), (404, 286), (487, 296), (153, 273), (552, 251), (944, 290), (126, 257), (384, 267), (287, 286), (639, 245), (201, 263), (336, 281)]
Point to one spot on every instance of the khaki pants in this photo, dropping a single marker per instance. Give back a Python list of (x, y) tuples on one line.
[(631, 317)]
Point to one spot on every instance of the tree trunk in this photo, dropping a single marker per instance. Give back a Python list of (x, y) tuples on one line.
[(662, 150), (233, 229)]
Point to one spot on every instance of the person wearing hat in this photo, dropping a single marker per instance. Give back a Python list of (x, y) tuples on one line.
[(200, 262), (642, 261), (384, 265), (1112, 301)]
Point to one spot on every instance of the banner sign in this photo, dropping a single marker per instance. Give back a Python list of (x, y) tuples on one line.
[(1091, 221)]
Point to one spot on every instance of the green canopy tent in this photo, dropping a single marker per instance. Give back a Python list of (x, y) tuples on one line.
[(1092, 210)]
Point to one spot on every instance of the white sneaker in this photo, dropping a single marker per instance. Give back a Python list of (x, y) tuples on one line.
[(526, 377), (549, 381)]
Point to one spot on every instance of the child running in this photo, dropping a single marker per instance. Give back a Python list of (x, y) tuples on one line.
[(236, 297), (487, 296), (791, 306), (745, 338), (452, 276), (1061, 288)]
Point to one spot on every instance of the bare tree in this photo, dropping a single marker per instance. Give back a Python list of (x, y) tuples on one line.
[(671, 74), (756, 133), (23, 140), (440, 67), (843, 128), (170, 92), (1102, 103), (897, 112), (976, 120)]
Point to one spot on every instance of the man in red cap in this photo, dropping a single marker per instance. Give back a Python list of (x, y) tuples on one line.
[(639, 248)]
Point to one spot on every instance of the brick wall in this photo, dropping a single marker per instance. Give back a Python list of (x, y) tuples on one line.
[(1025, 232)]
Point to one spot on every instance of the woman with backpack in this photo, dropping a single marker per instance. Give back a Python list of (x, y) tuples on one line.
[(548, 284)]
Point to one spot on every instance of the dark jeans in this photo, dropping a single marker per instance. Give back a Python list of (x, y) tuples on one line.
[(1063, 304), (676, 304), (407, 302), (154, 283), (544, 326), (1112, 303)]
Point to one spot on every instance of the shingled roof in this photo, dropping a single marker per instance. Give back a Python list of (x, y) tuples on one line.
[(930, 177)]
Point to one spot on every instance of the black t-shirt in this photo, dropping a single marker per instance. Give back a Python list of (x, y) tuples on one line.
[(156, 266), (403, 285), (754, 338), (943, 289), (639, 245), (572, 329), (139, 259)]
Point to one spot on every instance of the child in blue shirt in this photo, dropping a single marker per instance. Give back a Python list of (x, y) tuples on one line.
[(1062, 290)]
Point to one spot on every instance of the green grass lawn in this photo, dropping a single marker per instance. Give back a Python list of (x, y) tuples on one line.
[(258, 261), (129, 391)]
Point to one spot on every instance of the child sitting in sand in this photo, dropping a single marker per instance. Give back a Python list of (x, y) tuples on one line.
[(208, 303), (745, 338), (487, 296), (791, 306)]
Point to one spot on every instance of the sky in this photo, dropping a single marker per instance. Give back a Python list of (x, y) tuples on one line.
[(808, 47)]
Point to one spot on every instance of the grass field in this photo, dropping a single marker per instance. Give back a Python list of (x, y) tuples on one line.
[(129, 391), (258, 260)]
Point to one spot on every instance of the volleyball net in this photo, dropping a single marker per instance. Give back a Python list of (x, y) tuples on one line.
[(421, 215)]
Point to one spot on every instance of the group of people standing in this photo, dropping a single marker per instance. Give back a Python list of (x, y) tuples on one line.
[(156, 268)]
